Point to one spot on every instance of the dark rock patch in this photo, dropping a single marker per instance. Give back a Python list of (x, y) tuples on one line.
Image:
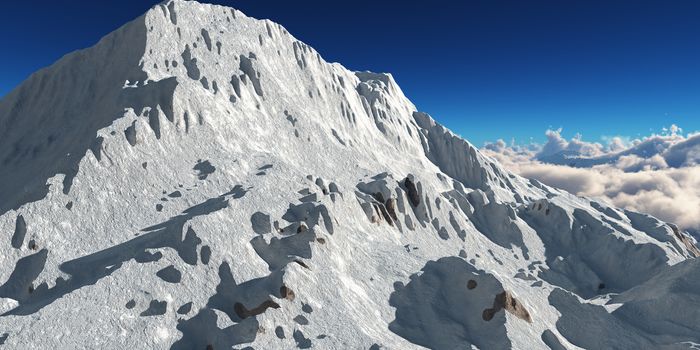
[(154, 122), (246, 66), (413, 196), (173, 14), (302, 341), (301, 320), (307, 308), (302, 264), (205, 254), (185, 308), (505, 300), (313, 197), (170, 274), (244, 313), (190, 64), (290, 118), (287, 293), (390, 205), (156, 308), (20, 232), (207, 38), (236, 84), (279, 332), (261, 223), (203, 169), (692, 249), (551, 340), (130, 134)]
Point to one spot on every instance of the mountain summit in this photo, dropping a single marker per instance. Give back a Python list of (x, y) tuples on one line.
[(200, 179)]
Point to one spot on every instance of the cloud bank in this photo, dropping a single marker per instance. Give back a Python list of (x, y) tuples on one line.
[(658, 174), (670, 149)]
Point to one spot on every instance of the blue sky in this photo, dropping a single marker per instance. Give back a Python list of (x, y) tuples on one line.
[(487, 69)]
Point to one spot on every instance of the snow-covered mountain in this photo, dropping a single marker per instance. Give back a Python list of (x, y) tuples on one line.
[(200, 179)]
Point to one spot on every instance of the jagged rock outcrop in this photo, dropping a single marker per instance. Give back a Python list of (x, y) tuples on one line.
[(506, 301)]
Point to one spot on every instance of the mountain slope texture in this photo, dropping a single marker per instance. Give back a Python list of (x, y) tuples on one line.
[(200, 179)]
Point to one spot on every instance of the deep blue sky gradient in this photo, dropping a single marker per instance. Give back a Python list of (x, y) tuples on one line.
[(487, 69)]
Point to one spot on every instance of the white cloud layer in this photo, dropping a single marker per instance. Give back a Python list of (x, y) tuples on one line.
[(673, 150), (658, 175)]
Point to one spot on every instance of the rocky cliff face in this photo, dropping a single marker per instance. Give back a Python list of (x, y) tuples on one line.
[(200, 179)]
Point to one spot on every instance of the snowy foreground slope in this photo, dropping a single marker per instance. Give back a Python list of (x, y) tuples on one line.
[(200, 179)]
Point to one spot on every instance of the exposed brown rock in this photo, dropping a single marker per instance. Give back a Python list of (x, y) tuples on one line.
[(380, 210), (505, 300), (413, 196), (390, 205), (471, 284), (287, 293), (321, 240), (684, 239), (385, 213), (376, 216), (487, 315)]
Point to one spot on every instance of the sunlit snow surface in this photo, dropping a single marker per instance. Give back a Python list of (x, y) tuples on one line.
[(200, 179)]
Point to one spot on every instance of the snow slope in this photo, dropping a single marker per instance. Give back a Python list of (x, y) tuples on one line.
[(200, 179)]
